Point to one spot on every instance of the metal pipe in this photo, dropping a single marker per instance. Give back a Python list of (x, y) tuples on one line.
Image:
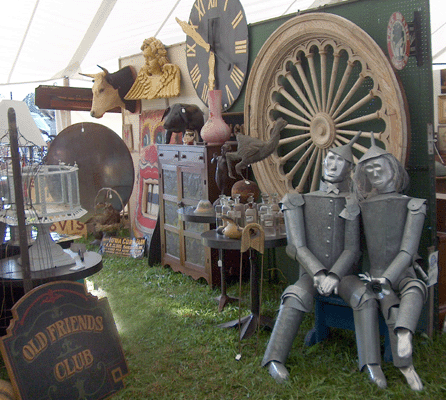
[(18, 192)]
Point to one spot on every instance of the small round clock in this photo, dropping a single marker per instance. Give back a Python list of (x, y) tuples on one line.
[(217, 47), (398, 40)]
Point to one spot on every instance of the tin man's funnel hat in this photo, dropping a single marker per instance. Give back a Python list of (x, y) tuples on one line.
[(345, 151), (373, 152)]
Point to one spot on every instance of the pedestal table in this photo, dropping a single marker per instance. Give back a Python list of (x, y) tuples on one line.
[(248, 324)]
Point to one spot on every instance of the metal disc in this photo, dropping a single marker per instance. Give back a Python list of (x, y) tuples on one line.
[(103, 159)]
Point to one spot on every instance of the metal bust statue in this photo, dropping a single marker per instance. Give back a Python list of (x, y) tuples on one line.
[(323, 236), (392, 225)]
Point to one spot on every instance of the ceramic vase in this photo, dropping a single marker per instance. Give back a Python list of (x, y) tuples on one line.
[(232, 230), (215, 130)]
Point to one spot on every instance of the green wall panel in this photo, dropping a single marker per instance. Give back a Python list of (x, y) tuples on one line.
[(373, 16)]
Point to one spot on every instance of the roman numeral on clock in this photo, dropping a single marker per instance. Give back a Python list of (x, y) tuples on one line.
[(241, 46), (237, 19), (191, 50), (195, 75), (205, 93), (237, 76), (200, 8), (229, 94)]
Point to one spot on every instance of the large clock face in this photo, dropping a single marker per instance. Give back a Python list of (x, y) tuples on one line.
[(222, 24)]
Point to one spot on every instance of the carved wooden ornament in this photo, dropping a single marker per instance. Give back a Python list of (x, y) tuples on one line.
[(157, 78), (329, 80)]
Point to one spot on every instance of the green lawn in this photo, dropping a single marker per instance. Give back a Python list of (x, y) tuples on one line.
[(175, 350)]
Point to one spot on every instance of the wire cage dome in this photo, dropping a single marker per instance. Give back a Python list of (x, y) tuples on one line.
[(50, 194), (47, 193)]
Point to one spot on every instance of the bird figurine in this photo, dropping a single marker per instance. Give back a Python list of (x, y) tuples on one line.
[(251, 150)]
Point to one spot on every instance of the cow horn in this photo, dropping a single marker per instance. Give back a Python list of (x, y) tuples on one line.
[(104, 69), (88, 75)]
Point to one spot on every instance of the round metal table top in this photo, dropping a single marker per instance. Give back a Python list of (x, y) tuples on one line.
[(188, 214), (11, 270), (216, 241)]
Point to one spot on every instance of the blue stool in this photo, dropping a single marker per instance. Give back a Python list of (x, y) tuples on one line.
[(333, 312)]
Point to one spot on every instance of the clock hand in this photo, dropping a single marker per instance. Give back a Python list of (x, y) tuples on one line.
[(228, 63), (211, 81), (190, 31)]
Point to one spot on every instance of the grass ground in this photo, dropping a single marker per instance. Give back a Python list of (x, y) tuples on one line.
[(175, 350)]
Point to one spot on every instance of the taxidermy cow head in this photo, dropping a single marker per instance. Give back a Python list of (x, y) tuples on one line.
[(109, 91)]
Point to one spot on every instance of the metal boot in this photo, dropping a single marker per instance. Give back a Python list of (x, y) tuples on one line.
[(281, 340), (412, 378), (367, 334), (368, 342)]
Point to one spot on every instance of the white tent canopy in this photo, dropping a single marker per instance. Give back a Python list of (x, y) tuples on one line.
[(46, 40)]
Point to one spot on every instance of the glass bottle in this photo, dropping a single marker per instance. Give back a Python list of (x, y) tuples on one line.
[(280, 223), (275, 209), (218, 210), (267, 222), (239, 210), (250, 211), (231, 212), (225, 209), (262, 207), (275, 203)]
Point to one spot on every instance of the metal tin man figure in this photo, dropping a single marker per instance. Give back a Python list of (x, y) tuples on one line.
[(392, 224), (323, 236)]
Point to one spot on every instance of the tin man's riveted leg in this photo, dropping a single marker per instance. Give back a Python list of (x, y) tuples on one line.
[(367, 339), (280, 343), (413, 296), (365, 315)]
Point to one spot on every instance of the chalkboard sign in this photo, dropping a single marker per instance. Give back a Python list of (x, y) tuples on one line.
[(63, 344), (124, 246)]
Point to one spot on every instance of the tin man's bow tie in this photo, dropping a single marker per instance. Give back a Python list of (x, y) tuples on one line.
[(329, 187)]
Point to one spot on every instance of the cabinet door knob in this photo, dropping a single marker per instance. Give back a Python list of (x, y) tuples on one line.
[(184, 156), (201, 158), (161, 155)]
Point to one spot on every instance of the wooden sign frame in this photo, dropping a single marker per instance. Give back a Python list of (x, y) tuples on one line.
[(62, 343)]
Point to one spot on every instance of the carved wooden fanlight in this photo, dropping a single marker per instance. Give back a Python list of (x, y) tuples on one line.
[(329, 79)]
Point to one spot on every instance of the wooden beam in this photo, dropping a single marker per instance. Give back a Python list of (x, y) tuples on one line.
[(65, 98)]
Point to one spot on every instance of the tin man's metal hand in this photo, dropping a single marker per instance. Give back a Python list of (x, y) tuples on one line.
[(329, 285), (318, 278)]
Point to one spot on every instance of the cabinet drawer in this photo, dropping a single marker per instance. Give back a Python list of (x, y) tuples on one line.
[(192, 156), (168, 155)]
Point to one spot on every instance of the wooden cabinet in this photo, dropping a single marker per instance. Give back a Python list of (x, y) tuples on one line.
[(186, 177)]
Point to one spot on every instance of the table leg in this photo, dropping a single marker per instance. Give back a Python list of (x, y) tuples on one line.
[(250, 323), (223, 299)]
